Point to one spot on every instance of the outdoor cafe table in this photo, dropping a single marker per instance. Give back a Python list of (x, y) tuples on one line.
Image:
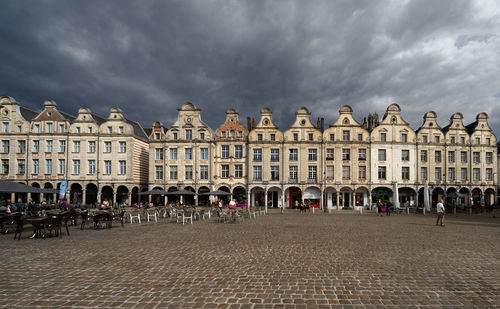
[(36, 222)]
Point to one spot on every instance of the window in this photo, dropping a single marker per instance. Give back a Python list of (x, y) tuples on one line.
[(437, 156), (451, 156), (158, 154), (76, 167), (5, 166), (451, 173), (173, 153), (436, 139), (273, 137), (346, 172), (330, 172), (330, 154), (202, 136), (275, 155), (295, 137), (360, 137), (189, 135), (463, 156), (224, 171), (5, 146), (91, 164), (488, 141), (382, 155), (204, 172), (404, 138), (489, 157), (489, 174), (346, 154), (110, 130), (293, 155), (383, 137), (346, 135), (188, 153), (91, 146), (37, 129), (310, 137), (35, 166), (257, 173), (61, 128), (332, 137), (362, 154), (36, 146), (173, 172), (203, 153), (312, 173), (158, 172), (19, 129), (405, 155), (5, 127), (48, 166), (62, 146), (188, 172), (423, 173), (476, 174), (259, 137), (50, 127), (62, 166), (452, 140), (424, 139), (476, 157), (463, 172), (21, 167), (78, 130), (107, 167), (48, 146), (122, 164), (382, 172), (122, 147), (76, 146), (90, 130), (362, 172), (240, 133), (423, 155), (174, 136), (120, 130), (238, 171), (225, 151), (223, 134), (292, 173), (107, 147), (312, 155), (275, 172), (405, 173), (478, 140), (437, 174), (257, 155), (238, 151), (462, 140)]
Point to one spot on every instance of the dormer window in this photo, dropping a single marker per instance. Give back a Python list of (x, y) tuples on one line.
[(110, 130), (360, 137), (90, 130), (488, 141), (259, 137), (478, 140), (295, 137), (50, 127), (120, 130), (174, 136), (424, 139), (404, 137), (19, 129), (37, 128), (452, 140), (231, 133), (157, 135), (223, 134), (189, 135), (383, 136), (78, 130), (346, 135), (332, 137), (202, 136), (310, 137), (61, 128), (240, 133), (273, 137), (436, 139), (5, 127), (462, 140)]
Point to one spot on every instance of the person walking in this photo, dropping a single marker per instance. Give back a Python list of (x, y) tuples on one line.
[(387, 209), (440, 213), (379, 208)]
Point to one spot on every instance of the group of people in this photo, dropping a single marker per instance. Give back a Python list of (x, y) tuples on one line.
[(303, 207)]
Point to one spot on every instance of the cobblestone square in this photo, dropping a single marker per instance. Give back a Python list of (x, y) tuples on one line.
[(276, 261)]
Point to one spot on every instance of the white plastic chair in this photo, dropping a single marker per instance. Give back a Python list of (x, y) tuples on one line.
[(135, 214)]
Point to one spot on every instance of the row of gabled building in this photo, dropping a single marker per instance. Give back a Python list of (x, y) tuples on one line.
[(347, 164)]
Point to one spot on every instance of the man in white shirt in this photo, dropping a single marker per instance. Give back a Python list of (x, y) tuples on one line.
[(440, 212)]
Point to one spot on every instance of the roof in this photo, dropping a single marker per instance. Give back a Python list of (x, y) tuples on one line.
[(98, 119), (471, 127), (446, 129), (138, 130), (67, 116), (27, 114), (148, 131)]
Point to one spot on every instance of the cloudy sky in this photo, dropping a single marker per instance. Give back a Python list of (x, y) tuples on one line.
[(148, 57)]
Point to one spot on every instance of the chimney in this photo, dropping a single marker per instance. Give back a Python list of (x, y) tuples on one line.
[(322, 124), (249, 124), (318, 124), (253, 123)]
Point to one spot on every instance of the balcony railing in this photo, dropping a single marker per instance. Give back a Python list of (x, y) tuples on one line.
[(292, 180), (312, 180)]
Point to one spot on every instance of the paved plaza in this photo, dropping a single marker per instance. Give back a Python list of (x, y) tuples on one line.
[(276, 261)]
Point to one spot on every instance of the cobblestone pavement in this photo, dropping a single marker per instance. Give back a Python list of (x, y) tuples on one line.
[(276, 261)]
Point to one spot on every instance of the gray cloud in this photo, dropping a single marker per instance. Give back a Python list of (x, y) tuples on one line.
[(148, 57)]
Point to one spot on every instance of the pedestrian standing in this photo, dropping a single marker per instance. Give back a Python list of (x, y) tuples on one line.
[(379, 208), (440, 213), (387, 210)]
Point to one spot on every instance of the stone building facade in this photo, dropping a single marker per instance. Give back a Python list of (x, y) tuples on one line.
[(349, 164)]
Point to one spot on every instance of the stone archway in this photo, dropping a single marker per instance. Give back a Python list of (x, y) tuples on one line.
[(107, 194), (75, 194), (134, 197), (489, 197), (35, 196), (293, 196), (122, 196), (240, 195), (91, 194), (203, 200)]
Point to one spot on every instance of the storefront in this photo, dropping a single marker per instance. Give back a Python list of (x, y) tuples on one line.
[(312, 196)]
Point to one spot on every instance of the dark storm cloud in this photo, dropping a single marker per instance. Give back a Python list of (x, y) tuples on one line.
[(148, 57)]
